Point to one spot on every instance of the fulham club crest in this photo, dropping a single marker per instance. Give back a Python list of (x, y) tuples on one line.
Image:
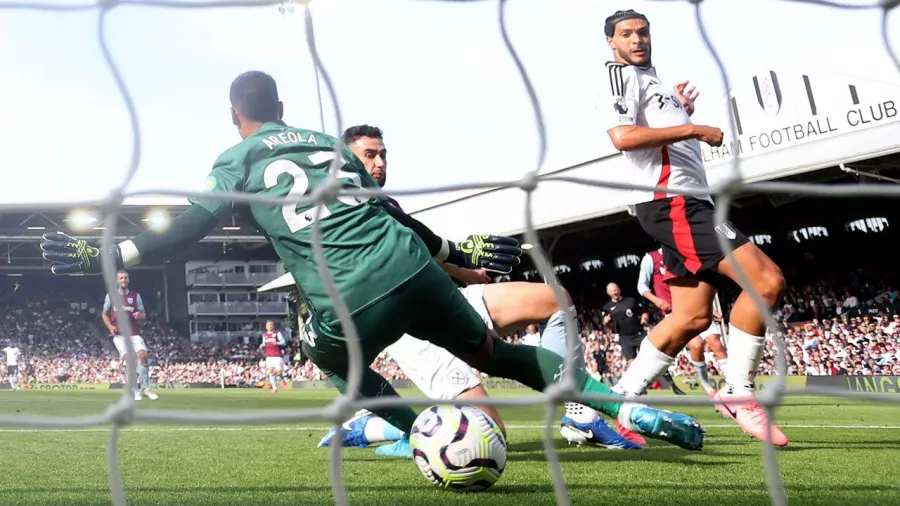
[(768, 93)]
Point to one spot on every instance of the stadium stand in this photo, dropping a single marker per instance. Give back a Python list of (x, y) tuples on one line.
[(845, 324)]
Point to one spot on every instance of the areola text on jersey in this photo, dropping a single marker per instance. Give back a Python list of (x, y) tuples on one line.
[(638, 97), (132, 302), (368, 252), (272, 342)]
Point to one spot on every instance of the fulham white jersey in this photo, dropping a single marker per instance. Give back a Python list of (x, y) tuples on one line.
[(12, 355), (638, 97)]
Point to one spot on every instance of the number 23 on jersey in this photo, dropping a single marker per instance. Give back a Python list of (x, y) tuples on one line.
[(300, 186)]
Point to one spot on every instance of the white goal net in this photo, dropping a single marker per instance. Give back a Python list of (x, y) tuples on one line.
[(123, 412)]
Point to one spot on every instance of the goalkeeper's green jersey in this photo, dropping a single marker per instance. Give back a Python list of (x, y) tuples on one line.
[(368, 252)]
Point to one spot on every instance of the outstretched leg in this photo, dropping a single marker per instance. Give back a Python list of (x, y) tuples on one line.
[(445, 318), (515, 305)]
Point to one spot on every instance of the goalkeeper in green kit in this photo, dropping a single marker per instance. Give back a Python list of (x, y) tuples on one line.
[(383, 263)]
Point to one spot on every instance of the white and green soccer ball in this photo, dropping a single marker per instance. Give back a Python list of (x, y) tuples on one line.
[(460, 448)]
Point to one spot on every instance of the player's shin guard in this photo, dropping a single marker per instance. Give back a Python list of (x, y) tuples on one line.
[(537, 368)]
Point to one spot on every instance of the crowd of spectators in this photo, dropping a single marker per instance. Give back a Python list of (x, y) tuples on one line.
[(846, 325)]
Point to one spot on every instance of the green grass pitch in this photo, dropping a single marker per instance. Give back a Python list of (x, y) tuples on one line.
[(841, 453)]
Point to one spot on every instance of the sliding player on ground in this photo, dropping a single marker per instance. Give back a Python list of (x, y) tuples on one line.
[(504, 308), (381, 261), (651, 125), (133, 309), (272, 344)]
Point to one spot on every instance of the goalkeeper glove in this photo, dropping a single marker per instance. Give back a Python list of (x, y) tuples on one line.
[(74, 256), (495, 253)]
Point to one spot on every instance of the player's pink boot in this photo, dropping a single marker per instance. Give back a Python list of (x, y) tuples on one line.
[(634, 437), (712, 393), (750, 417)]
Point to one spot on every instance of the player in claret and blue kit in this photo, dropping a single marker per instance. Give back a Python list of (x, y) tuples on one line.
[(272, 344), (383, 262), (133, 309)]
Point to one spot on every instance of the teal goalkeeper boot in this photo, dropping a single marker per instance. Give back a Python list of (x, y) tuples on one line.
[(676, 428), (399, 448)]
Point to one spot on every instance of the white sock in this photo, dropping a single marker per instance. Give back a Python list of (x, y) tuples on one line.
[(375, 429), (743, 360), (723, 366), (624, 417), (649, 364), (702, 372), (581, 413)]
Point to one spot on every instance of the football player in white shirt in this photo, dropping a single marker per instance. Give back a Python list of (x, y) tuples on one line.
[(13, 355), (504, 307), (649, 122)]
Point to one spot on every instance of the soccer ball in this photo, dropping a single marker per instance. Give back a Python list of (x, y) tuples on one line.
[(459, 448)]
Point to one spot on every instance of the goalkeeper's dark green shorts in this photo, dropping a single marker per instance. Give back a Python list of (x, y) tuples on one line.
[(429, 306)]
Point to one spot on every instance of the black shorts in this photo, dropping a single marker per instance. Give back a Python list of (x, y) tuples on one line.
[(685, 226), (630, 345), (12, 369)]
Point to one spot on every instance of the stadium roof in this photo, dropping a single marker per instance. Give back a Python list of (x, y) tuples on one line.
[(789, 122)]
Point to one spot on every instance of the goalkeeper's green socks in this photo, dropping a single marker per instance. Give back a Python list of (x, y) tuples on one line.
[(537, 368)]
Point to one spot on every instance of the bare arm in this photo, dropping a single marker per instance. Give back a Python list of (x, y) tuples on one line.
[(632, 137), (661, 304), (467, 276), (106, 321)]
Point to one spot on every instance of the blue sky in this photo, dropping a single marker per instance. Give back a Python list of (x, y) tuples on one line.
[(434, 76)]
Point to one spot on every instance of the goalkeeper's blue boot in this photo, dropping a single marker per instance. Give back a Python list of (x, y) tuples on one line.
[(354, 432), (597, 433), (676, 428), (399, 448)]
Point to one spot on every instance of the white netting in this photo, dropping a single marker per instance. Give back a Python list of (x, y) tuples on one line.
[(123, 412)]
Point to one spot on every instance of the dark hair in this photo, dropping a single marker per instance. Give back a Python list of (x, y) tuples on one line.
[(255, 95), (609, 28), (355, 132)]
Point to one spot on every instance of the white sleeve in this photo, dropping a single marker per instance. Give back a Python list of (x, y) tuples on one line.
[(645, 276), (618, 105)]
